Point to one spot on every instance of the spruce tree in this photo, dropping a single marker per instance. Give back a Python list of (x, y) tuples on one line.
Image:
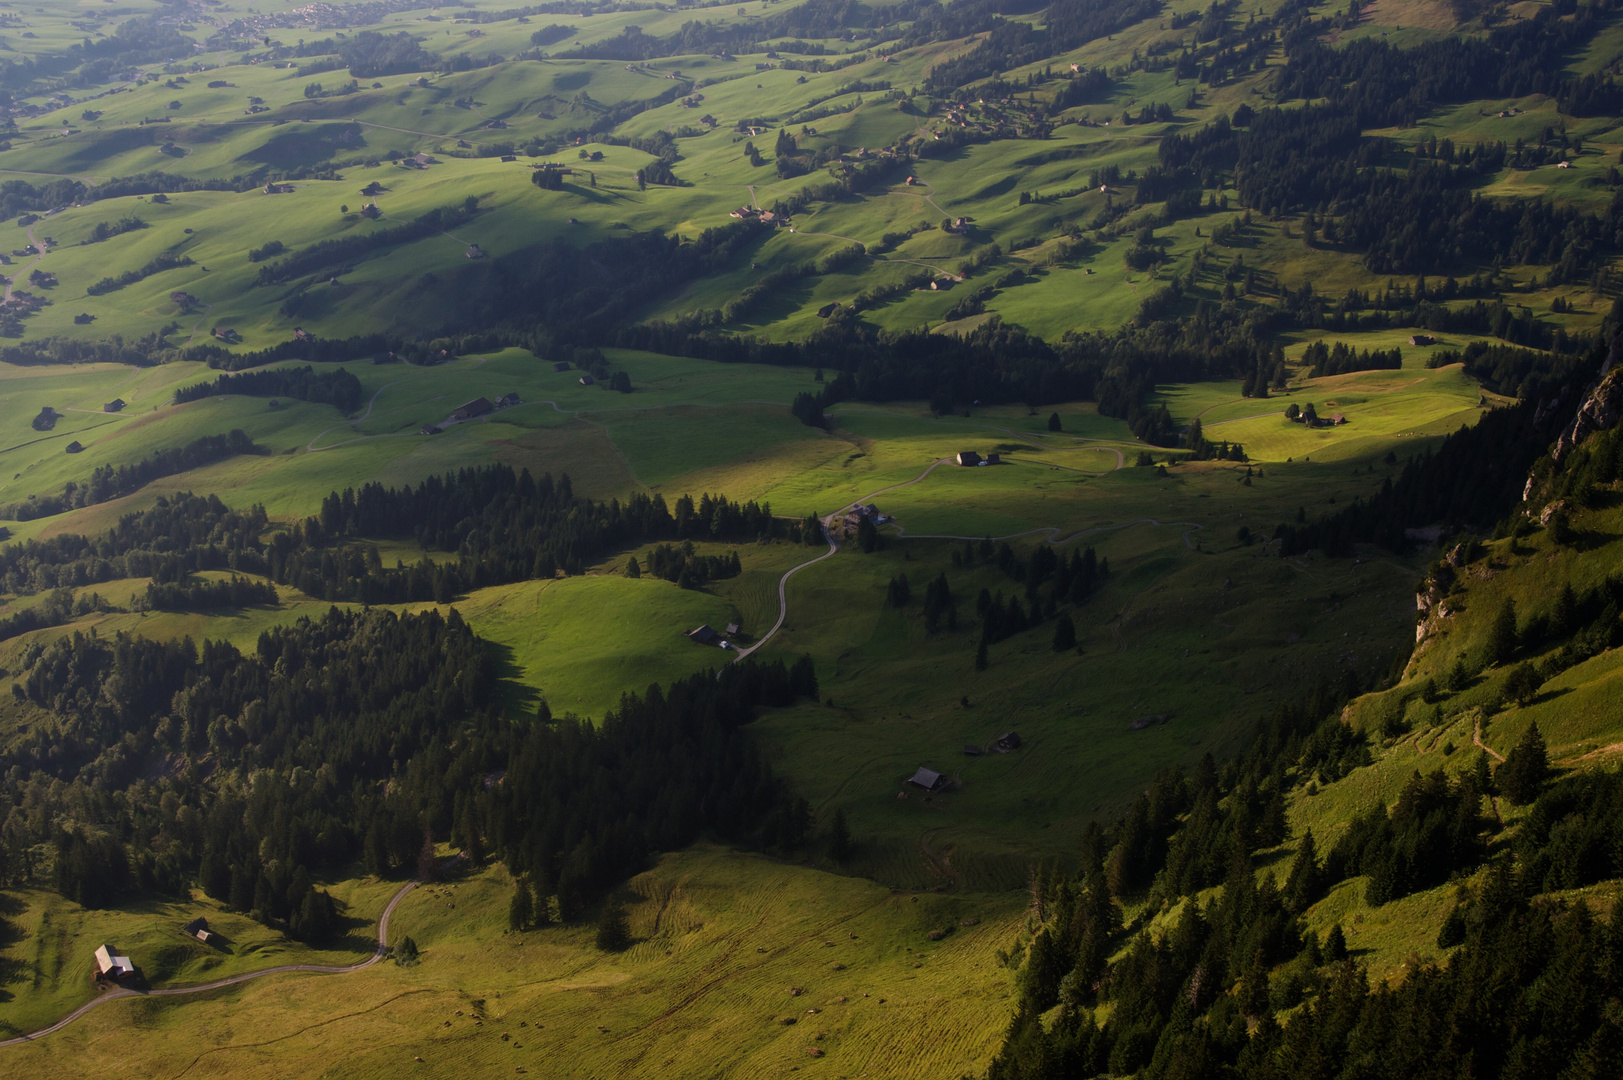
[(1302, 886), (613, 932), (867, 536), (633, 570), (1526, 768), (1459, 676), (1453, 930), (839, 838), (1053, 422), (1335, 944), (427, 863), (521, 912), (980, 656), (1502, 635), (1064, 634)]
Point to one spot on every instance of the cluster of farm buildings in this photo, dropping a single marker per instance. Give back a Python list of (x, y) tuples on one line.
[(473, 410), (113, 968), (851, 521), (929, 780), (707, 635)]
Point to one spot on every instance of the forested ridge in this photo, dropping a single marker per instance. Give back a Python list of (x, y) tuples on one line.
[(503, 526), (1233, 985), (363, 735)]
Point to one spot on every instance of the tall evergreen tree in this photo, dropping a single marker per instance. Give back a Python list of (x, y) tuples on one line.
[(1526, 768), (1502, 633), (839, 838), (521, 912), (1303, 884), (613, 931), (1064, 634)]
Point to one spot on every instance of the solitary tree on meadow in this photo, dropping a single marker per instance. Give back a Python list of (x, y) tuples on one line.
[(1064, 634), (613, 932)]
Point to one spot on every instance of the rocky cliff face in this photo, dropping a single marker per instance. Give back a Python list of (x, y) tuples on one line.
[(1600, 410)]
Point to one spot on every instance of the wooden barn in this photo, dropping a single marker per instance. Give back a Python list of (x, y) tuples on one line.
[(477, 407), (110, 967), (928, 779)]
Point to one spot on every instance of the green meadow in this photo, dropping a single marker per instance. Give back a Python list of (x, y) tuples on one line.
[(739, 963), (890, 964)]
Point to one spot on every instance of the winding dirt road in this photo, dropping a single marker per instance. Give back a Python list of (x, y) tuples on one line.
[(833, 545), (783, 596), (314, 969)]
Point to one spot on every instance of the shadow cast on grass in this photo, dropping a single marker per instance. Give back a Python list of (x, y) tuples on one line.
[(514, 695)]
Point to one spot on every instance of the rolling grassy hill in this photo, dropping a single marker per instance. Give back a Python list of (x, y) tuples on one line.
[(1199, 630)]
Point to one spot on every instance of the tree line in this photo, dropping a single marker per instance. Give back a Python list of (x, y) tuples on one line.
[(503, 526), (337, 387), (110, 481)]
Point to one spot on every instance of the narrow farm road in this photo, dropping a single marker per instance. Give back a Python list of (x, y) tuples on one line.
[(311, 445), (198, 325), (783, 596), (833, 545), (316, 969)]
